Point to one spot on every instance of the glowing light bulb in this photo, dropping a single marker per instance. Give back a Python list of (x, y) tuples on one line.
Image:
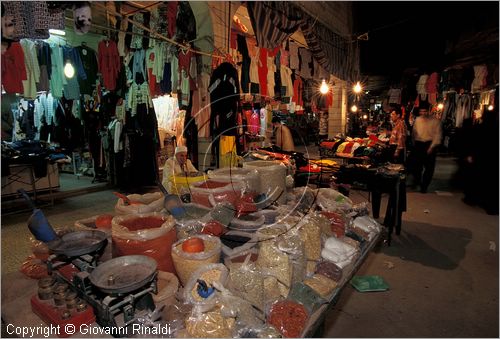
[(354, 108), (365, 116), (357, 88), (490, 108), (440, 106), (69, 70), (324, 87)]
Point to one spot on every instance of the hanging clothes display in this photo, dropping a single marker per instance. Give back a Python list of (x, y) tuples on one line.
[(271, 69), (138, 68), (224, 92), (201, 106), (44, 64), (138, 95), (245, 65), (421, 89), (13, 69), (72, 89), (464, 109), (89, 63), (394, 95), (57, 78), (109, 63), (480, 74), (32, 68), (263, 71), (136, 42)]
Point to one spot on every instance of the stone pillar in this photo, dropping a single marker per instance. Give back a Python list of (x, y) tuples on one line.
[(337, 113)]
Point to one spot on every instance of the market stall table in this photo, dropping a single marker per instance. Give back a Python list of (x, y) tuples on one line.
[(17, 290)]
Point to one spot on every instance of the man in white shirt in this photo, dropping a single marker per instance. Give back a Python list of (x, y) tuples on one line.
[(426, 136), (179, 164)]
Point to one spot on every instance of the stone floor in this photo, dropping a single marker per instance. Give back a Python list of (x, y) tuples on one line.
[(442, 269)]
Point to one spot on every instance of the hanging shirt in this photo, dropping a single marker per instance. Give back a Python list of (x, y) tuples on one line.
[(138, 94), (13, 69), (109, 63), (57, 78), (153, 85), (421, 89), (298, 88), (286, 80), (294, 55), (394, 96), (138, 64), (89, 64), (201, 106), (305, 65), (263, 71), (137, 38), (32, 68), (271, 69), (45, 65)]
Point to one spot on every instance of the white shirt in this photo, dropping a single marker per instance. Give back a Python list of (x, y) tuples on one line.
[(427, 129)]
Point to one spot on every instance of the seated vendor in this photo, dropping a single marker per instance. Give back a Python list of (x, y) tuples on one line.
[(284, 138), (179, 164)]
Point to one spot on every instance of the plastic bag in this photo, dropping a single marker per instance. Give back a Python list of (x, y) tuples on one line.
[(288, 317), (168, 285), (310, 233), (209, 324), (247, 282), (250, 178), (329, 199), (249, 222), (302, 199), (272, 179), (366, 227), (151, 202), (200, 288), (338, 252), (210, 192), (246, 316), (305, 295), (235, 242), (150, 234), (337, 222), (187, 263), (322, 285)]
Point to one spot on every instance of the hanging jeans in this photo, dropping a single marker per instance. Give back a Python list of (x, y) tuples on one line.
[(424, 162)]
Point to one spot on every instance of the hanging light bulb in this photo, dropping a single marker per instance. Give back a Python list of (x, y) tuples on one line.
[(324, 87), (357, 88), (440, 106), (69, 70), (365, 116), (354, 108)]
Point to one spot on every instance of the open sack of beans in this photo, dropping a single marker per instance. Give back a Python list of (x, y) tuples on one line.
[(140, 203)]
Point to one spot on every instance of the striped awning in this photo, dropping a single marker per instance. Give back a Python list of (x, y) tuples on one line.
[(273, 21), (335, 53)]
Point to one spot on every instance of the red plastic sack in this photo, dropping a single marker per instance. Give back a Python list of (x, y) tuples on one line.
[(337, 223), (150, 234)]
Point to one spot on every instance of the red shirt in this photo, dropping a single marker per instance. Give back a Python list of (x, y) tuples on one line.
[(109, 63), (13, 69), (263, 71)]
